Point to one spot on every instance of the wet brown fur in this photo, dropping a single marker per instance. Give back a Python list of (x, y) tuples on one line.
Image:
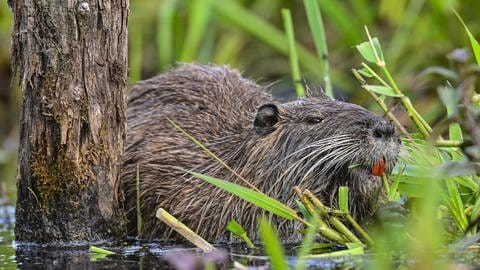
[(309, 143)]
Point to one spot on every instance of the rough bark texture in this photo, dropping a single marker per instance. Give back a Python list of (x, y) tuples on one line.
[(71, 60)]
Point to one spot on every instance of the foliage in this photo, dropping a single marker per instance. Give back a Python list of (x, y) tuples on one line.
[(416, 68), (438, 176)]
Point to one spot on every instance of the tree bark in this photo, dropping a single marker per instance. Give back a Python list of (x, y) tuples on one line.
[(70, 57)]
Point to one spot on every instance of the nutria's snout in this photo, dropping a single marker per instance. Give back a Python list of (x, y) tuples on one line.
[(387, 143)]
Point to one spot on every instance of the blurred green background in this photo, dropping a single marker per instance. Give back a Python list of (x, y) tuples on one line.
[(418, 38)]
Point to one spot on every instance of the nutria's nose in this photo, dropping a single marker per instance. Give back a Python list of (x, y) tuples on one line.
[(383, 129)]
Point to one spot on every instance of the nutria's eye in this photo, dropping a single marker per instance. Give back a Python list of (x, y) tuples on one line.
[(314, 120)]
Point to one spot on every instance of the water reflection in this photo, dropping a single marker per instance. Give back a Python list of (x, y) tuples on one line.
[(140, 255)]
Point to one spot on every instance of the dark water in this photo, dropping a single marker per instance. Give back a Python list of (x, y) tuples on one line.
[(136, 255), (162, 255)]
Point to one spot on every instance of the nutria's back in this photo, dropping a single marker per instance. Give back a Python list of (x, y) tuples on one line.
[(311, 143)]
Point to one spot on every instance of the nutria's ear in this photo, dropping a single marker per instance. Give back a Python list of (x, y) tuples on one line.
[(267, 117)]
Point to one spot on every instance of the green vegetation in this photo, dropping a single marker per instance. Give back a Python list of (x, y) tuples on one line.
[(438, 173), (405, 67)]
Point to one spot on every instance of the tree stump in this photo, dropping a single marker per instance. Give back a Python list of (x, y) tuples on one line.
[(70, 58)]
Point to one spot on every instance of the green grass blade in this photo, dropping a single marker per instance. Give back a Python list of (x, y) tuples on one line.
[(476, 209), (257, 198), (473, 41), (199, 17), (303, 210), (307, 245), (210, 153), (264, 31), (315, 23), (358, 250), (393, 194), (228, 47), (138, 203), (363, 10), (165, 33), (273, 246), (98, 250), (339, 16), (449, 98), (456, 204), (238, 230), (292, 53), (343, 199), (135, 42), (382, 90), (402, 35)]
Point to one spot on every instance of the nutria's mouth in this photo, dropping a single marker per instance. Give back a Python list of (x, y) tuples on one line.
[(374, 171), (379, 167)]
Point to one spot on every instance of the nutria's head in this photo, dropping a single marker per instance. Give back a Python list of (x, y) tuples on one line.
[(322, 144)]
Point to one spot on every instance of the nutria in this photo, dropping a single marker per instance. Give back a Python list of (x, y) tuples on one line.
[(316, 143)]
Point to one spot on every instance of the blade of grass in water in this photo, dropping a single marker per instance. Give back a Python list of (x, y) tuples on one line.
[(138, 206), (292, 53), (197, 24), (238, 230), (358, 250), (257, 198), (98, 250), (165, 33), (315, 22), (307, 244), (273, 246)]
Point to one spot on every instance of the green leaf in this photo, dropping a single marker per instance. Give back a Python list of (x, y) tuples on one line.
[(98, 250), (273, 246), (257, 198), (238, 230), (306, 247), (365, 73), (473, 41), (455, 204), (450, 99), (343, 199), (476, 209), (393, 194), (370, 53), (358, 250), (382, 90), (303, 209)]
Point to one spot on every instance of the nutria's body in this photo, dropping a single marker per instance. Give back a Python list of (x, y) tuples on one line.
[(310, 143)]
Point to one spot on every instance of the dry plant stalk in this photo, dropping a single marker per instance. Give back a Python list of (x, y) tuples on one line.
[(334, 229), (184, 230)]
